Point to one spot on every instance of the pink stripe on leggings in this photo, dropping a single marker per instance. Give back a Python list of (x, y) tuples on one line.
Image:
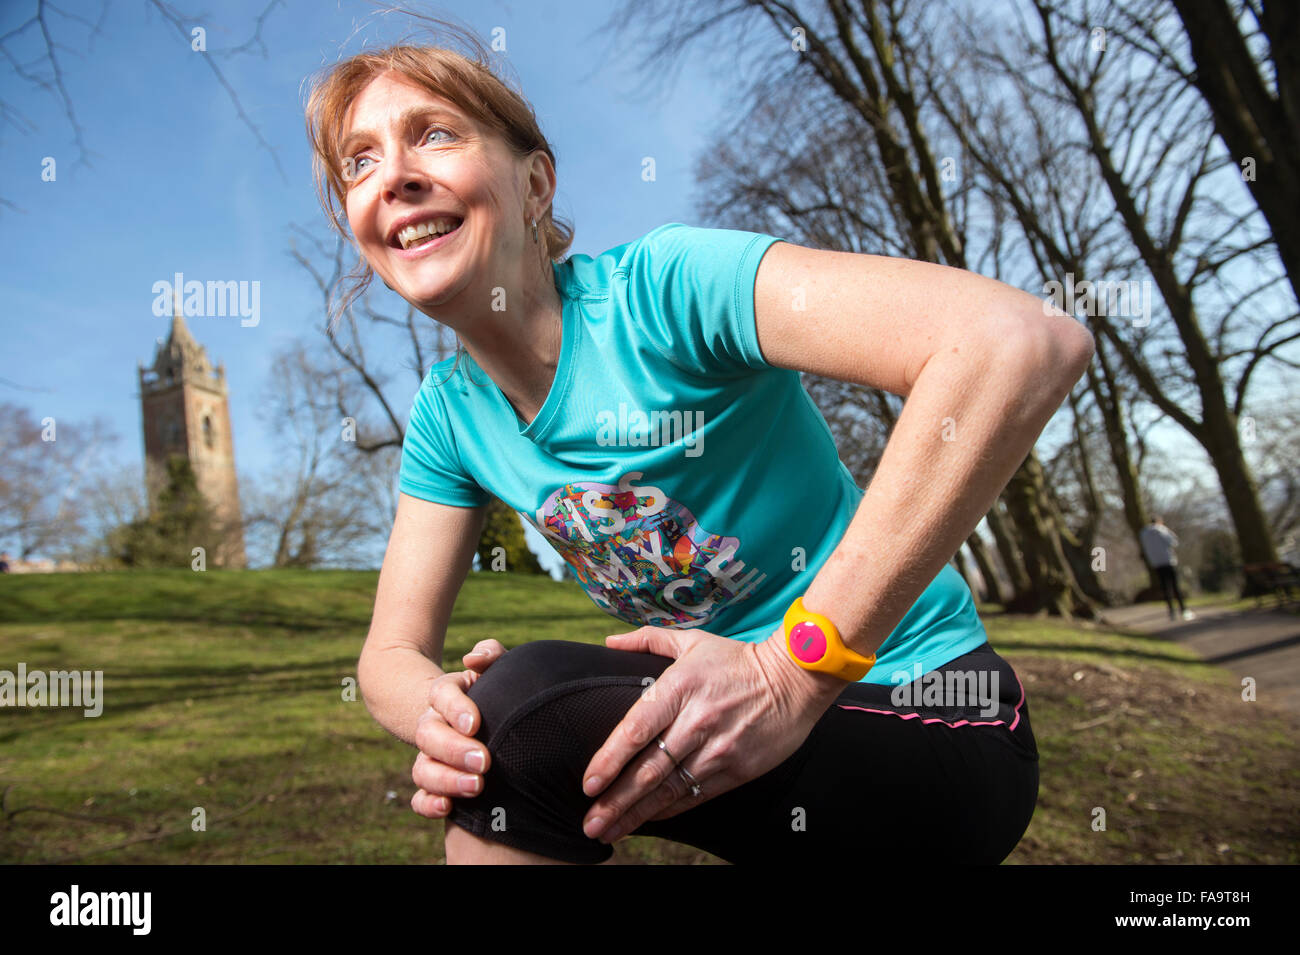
[(935, 719)]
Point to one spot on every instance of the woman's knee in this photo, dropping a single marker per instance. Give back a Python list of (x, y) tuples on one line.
[(521, 674), (525, 673), (543, 718)]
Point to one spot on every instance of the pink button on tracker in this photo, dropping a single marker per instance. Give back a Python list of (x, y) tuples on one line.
[(807, 641)]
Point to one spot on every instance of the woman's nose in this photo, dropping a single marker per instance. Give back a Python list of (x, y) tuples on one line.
[(402, 176)]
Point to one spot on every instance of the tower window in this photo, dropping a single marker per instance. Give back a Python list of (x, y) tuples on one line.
[(208, 438)]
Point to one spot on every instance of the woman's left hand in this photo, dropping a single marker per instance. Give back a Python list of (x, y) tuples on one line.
[(728, 711)]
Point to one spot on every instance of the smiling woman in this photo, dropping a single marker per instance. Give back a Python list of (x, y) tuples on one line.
[(756, 710)]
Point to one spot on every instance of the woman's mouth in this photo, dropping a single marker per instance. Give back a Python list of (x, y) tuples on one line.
[(426, 237)]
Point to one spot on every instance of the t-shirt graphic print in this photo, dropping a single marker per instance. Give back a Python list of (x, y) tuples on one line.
[(642, 556)]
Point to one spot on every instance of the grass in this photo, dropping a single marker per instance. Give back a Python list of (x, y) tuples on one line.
[(224, 692)]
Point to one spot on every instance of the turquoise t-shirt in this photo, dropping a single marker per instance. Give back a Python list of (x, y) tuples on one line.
[(687, 482)]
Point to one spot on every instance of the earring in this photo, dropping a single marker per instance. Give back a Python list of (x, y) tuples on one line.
[(534, 230)]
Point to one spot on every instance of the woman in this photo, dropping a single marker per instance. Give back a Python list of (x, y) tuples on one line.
[(807, 674)]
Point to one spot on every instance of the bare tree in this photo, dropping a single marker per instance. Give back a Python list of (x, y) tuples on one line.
[(112, 498), (426, 340), (45, 468), (318, 503), (1108, 163), (1276, 452), (51, 26), (1157, 152), (1245, 65)]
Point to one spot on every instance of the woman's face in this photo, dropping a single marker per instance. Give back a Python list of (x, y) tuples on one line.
[(412, 163)]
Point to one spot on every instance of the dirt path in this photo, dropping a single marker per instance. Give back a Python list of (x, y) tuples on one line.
[(1264, 643)]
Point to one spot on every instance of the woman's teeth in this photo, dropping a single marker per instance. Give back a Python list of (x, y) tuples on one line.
[(413, 234)]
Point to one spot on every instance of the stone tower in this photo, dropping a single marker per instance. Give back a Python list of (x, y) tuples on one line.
[(186, 412)]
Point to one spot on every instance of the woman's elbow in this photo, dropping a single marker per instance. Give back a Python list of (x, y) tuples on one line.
[(1058, 347), (366, 679), (1070, 343), (1080, 347), (1042, 361)]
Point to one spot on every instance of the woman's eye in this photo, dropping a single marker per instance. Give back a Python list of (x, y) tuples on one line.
[(356, 166), (353, 167)]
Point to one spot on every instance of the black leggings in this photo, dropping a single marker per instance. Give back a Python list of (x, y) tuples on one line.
[(951, 775)]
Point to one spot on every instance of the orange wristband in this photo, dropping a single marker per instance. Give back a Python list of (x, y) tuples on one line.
[(813, 642)]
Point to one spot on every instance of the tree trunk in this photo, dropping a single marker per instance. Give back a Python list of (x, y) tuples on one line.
[(1222, 441), (1054, 588), (979, 551), (1077, 550), (959, 559), (1217, 429), (1078, 544), (1004, 538), (1109, 399), (1087, 483), (283, 556)]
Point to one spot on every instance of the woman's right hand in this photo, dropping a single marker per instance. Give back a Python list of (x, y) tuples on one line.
[(451, 761)]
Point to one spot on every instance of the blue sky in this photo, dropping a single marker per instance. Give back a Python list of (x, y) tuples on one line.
[(175, 181)]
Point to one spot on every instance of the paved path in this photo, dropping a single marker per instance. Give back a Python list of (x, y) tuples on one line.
[(1264, 643)]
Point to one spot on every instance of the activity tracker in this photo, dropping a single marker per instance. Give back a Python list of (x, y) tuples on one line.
[(813, 642)]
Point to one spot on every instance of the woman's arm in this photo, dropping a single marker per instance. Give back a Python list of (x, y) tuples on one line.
[(429, 554), (983, 366)]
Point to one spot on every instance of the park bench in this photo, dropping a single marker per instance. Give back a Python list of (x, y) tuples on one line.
[(1274, 578)]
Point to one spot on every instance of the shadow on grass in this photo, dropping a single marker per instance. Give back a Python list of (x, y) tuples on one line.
[(150, 687), (1016, 646), (286, 621)]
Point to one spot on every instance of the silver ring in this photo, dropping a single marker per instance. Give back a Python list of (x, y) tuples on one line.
[(690, 780), (695, 786)]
